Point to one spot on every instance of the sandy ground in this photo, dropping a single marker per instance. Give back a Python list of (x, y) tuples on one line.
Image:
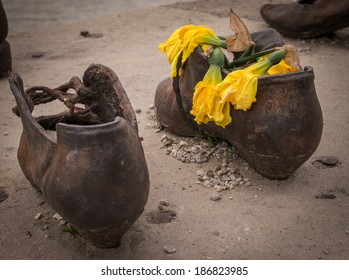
[(266, 220)]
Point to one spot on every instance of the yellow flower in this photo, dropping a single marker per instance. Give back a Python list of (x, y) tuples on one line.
[(206, 100), (240, 87), (186, 39), (282, 68)]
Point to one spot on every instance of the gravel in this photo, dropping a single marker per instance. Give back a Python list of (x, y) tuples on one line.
[(194, 150), (224, 176)]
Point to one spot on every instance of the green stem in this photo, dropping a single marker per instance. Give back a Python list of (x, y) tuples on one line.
[(249, 51), (217, 57), (277, 56), (243, 60), (223, 44)]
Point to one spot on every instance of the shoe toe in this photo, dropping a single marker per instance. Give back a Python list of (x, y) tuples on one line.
[(271, 13)]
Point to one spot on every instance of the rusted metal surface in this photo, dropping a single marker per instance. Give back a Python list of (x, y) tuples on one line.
[(276, 136), (95, 176)]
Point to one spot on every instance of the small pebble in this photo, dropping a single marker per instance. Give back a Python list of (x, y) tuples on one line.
[(325, 161), (87, 34), (216, 197), (326, 252), (182, 144), (138, 111), (151, 106), (330, 160), (219, 188), (38, 216), (169, 249), (207, 184), (225, 144), (164, 203), (84, 33), (57, 216), (38, 54), (210, 173)]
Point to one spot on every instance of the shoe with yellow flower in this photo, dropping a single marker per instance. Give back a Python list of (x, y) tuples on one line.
[(262, 102)]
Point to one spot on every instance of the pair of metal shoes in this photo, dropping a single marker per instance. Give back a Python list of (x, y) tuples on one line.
[(89, 162)]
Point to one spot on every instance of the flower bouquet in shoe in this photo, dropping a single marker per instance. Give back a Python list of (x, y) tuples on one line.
[(239, 99)]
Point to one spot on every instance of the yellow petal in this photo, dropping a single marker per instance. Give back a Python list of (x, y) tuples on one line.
[(247, 94), (206, 100), (200, 107), (174, 67), (186, 39), (172, 45), (228, 88), (225, 109), (196, 36), (239, 87), (214, 105), (281, 68)]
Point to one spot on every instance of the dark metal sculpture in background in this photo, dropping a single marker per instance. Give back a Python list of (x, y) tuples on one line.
[(5, 51)]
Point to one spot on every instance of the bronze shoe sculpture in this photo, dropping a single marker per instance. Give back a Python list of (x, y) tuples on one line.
[(307, 18), (276, 136), (5, 50), (88, 162)]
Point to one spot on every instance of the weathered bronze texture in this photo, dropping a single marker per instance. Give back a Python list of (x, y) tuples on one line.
[(94, 175), (276, 136)]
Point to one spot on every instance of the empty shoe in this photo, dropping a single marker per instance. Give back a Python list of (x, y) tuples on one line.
[(90, 167)]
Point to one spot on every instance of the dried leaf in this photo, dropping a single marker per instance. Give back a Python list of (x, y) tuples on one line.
[(291, 57), (242, 38)]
